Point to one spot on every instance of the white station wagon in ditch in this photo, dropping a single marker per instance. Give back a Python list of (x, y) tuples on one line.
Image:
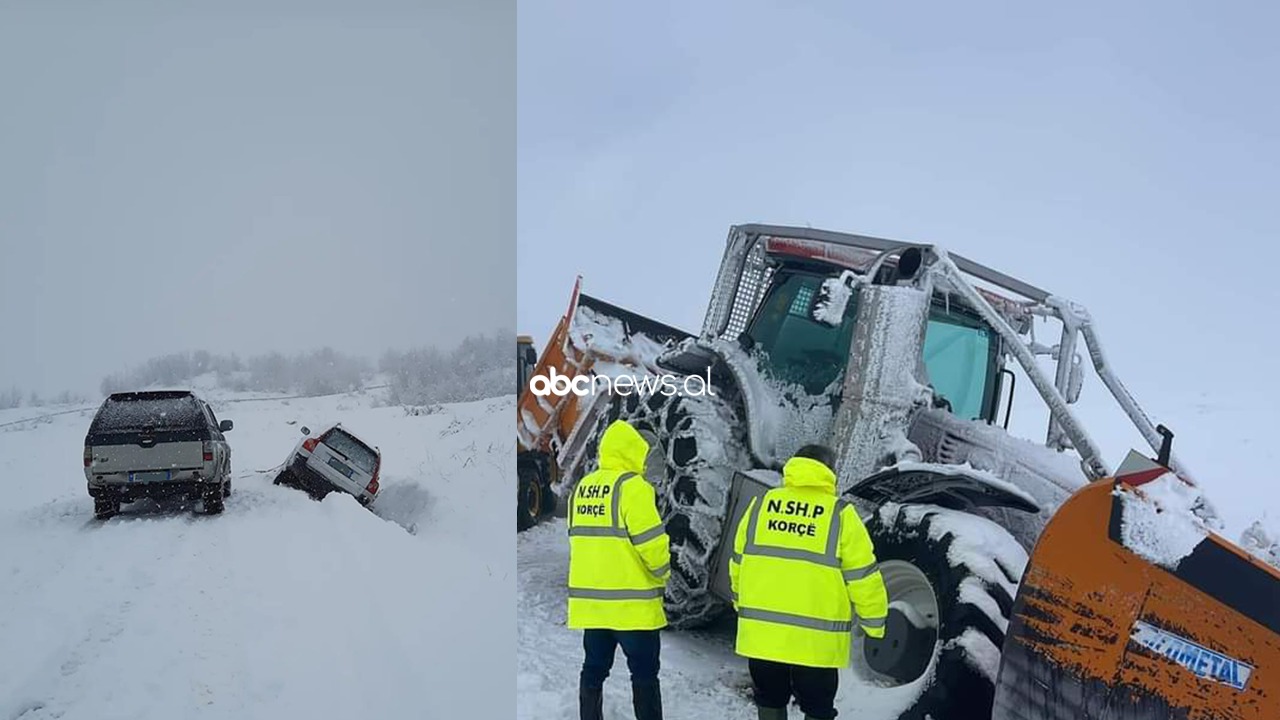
[(334, 459)]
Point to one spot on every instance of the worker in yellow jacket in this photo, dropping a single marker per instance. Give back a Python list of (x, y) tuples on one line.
[(802, 562), (619, 562)]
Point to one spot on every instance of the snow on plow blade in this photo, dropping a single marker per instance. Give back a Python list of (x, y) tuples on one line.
[(591, 334), (1128, 611)]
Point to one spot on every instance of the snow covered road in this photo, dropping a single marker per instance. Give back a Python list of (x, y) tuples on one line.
[(281, 606)]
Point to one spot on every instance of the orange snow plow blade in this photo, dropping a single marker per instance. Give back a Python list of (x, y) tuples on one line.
[(551, 423), (1099, 631)]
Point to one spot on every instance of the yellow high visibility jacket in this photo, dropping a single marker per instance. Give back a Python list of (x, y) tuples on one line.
[(619, 553), (801, 558)]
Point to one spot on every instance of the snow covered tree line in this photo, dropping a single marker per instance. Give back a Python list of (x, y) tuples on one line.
[(319, 372), (480, 366), (13, 398)]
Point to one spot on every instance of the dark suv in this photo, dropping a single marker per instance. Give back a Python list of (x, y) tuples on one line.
[(156, 444)]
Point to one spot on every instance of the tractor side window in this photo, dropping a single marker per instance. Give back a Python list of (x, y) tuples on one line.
[(798, 348), (958, 358)]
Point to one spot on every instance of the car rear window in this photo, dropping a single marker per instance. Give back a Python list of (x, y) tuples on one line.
[(357, 452), (146, 412)]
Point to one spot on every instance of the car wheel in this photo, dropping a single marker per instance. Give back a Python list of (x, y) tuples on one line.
[(213, 502), (226, 489), (105, 507)]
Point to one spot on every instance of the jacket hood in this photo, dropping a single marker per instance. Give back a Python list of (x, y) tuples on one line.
[(808, 473), (622, 448)]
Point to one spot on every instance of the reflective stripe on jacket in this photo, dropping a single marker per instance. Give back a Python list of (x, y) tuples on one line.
[(619, 553), (802, 560)]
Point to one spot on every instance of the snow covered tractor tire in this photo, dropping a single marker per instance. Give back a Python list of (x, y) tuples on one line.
[(951, 577), (697, 443)]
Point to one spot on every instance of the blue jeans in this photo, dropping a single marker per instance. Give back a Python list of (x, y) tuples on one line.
[(640, 646)]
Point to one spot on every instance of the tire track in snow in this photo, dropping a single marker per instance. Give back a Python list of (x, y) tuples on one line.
[(44, 691)]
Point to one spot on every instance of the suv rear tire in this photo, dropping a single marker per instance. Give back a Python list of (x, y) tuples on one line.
[(105, 507), (213, 501)]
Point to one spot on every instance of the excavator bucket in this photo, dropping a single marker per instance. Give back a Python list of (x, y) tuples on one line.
[(1130, 610)]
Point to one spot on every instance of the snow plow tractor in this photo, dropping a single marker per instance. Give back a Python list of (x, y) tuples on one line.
[(905, 359)]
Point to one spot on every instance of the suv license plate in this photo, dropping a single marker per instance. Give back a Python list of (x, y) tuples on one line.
[(340, 467), (152, 476)]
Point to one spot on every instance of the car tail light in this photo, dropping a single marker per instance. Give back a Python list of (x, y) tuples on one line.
[(310, 444), (208, 451), (88, 456), (373, 484)]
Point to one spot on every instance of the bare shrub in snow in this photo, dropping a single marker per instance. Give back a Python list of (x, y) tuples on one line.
[(10, 399), (319, 372), (481, 366)]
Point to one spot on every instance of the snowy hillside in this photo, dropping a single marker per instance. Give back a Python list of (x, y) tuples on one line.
[(282, 607)]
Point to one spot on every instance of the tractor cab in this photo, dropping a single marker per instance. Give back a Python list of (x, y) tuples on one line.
[(803, 327)]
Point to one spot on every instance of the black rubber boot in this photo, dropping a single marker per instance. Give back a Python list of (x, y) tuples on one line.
[(591, 704), (772, 713), (646, 699)]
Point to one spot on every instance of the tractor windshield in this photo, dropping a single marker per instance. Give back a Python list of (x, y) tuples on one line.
[(798, 348), (960, 353)]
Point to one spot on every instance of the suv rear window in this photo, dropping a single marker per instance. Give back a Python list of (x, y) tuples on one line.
[(357, 452), (135, 412)]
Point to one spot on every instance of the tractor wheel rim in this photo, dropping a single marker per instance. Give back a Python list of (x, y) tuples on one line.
[(913, 621), (533, 498)]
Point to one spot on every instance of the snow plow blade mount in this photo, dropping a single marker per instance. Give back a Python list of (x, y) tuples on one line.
[(1098, 631)]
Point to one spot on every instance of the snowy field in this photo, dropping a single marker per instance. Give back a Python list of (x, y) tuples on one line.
[(1225, 439), (281, 607)]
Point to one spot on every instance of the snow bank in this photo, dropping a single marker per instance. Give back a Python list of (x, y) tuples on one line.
[(1159, 520)]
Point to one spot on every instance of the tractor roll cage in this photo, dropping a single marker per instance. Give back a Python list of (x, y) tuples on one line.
[(743, 278)]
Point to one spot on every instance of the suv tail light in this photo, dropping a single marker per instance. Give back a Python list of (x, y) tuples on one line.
[(88, 456), (208, 451), (310, 444), (373, 484)]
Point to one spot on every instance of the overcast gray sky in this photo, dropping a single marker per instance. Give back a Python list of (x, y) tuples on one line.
[(1121, 154), (250, 180)]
